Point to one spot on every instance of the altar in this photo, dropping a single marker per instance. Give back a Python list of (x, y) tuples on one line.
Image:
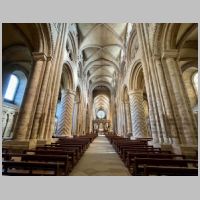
[(101, 126)]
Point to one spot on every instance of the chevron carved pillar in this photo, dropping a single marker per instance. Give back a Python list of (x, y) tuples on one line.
[(65, 121), (139, 128)]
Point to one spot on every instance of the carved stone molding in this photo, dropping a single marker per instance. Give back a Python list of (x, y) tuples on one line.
[(172, 53), (136, 92), (39, 56)]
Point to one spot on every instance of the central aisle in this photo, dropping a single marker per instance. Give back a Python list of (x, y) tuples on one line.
[(100, 159)]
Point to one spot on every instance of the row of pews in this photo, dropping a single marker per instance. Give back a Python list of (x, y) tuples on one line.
[(145, 160), (55, 159)]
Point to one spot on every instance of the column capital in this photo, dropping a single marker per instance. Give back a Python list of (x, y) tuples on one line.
[(156, 56), (126, 102), (136, 92), (172, 53), (68, 91), (71, 92), (39, 56), (49, 58)]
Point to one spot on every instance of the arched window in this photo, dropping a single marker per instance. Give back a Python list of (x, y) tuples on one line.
[(15, 87), (12, 88), (195, 81)]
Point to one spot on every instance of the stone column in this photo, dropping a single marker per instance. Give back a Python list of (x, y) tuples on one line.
[(27, 110), (81, 113), (114, 117), (43, 130), (75, 119), (38, 118), (120, 118), (65, 121), (158, 103), (55, 85), (9, 126), (84, 116), (78, 118), (153, 113), (171, 121), (139, 128), (123, 119), (128, 117), (90, 114), (87, 130), (189, 130)]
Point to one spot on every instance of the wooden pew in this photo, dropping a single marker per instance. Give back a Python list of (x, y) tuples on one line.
[(90, 137), (84, 142), (127, 152), (63, 159), (71, 155), (71, 152), (69, 148), (81, 145), (162, 155), (21, 168), (144, 139), (169, 171), (78, 148), (118, 144), (138, 167), (122, 148)]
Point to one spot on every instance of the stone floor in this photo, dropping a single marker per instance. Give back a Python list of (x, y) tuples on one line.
[(100, 159)]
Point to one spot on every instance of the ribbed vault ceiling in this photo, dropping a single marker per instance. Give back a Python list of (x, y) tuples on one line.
[(101, 45)]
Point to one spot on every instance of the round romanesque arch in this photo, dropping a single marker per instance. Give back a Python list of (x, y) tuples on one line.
[(136, 79), (67, 77)]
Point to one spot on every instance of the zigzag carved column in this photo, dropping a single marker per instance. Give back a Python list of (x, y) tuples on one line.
[(139, 128), (65, 122)]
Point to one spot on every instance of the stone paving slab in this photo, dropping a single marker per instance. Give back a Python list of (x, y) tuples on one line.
[(100, 159)]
